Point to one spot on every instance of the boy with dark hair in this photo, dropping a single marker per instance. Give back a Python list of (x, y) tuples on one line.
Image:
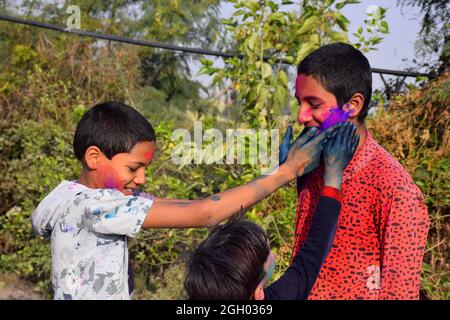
[(235, 262), (90, 220), (382, 230)]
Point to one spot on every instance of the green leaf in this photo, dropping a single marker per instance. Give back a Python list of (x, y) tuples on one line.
[(206, 62), (314, 39), (283, 78), (340, 5), (289, 59), (277, 16), (273, 6), (343, 22), (266, 70), (238, 13), (384, 27), (343, 4), (376, 40), (252, 5), (307, 25), (338, 36), (229, 21), (304, 50)]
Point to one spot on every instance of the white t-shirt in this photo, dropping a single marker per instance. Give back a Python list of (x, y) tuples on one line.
[(89, 230)]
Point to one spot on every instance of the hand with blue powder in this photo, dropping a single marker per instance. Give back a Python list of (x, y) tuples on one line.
[(338, 152)]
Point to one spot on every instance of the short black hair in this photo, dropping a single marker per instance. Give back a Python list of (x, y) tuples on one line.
[(342, 70), (229, 263), (113, 127)]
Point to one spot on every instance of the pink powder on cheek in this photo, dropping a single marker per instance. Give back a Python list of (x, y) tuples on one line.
[(109, 178)]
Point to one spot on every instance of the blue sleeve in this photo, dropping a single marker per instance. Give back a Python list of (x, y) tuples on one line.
[(299, 278)]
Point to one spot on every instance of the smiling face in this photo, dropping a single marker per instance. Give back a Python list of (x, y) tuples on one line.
[(315, 103), (124, 172)]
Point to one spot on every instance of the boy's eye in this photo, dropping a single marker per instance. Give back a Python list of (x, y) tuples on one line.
[(315, 105), (132, 169)]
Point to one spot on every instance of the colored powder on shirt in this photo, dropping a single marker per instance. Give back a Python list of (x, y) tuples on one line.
[(110, 215)]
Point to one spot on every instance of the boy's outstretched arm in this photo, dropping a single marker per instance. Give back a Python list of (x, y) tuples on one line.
[(303, 157), (300, 277)]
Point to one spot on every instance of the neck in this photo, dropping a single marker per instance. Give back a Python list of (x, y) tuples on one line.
[(362, 131), (86, 179)]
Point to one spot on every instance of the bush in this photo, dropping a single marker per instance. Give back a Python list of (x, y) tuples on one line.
[(423, 147)]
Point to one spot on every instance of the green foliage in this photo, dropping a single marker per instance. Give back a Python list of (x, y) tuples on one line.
[(58, 78), (35, 158), (263, 28), (47, 82), (434, 34), (424, 149)]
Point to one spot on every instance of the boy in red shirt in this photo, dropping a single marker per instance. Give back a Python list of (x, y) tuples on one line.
[(381, 236)]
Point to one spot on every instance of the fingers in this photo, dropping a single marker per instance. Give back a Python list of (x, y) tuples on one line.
[(328, 146), (351, 138), (304, 138), (327, 134), (345, 135), (287, 136)]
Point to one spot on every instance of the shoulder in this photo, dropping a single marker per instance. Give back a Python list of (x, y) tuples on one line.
[(392, 176)]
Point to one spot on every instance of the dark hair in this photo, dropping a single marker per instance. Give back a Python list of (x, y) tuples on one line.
[(229, 263), (113, 127), (342, 70)]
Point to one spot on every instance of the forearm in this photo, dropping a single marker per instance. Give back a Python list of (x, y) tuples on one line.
[(225, 204), (299, 279), (175, 213)]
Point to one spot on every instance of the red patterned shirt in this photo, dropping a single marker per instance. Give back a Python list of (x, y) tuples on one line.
[(381, 236)]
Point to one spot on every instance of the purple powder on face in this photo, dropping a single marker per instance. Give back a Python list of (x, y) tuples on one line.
[(337, 115), (111, 183)]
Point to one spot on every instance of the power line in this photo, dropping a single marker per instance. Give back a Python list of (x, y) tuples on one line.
[(159, 45)]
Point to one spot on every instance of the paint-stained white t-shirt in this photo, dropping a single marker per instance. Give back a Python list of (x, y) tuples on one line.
[(89, 230)]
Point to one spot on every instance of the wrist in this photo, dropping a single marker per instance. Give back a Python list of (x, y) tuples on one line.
[(333, 180), (290, 172), (332, 192)]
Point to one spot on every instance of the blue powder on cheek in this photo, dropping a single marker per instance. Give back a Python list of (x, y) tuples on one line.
[(271, 270)]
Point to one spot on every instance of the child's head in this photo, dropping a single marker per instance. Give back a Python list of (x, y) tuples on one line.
[(115, 143), (333, 75), (233, 263)]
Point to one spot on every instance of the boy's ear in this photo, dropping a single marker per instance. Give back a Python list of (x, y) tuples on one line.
[(92, 157), (259, 292), (354, 105)]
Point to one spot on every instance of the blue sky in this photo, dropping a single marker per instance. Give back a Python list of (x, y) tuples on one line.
[(398, 44)]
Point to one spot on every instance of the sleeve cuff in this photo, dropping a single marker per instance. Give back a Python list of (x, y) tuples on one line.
[(332, 193)]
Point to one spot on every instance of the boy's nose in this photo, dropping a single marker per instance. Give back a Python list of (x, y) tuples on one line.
[(140, 179), (304, 114)]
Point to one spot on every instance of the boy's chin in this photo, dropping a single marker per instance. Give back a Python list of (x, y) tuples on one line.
[(127, 192)]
